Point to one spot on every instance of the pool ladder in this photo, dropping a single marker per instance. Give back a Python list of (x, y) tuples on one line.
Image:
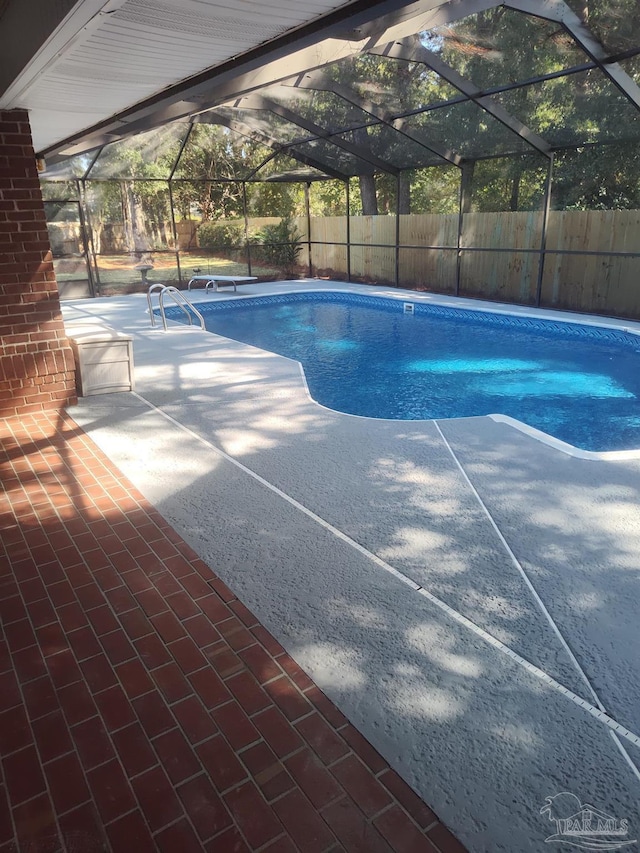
[(185, 304)]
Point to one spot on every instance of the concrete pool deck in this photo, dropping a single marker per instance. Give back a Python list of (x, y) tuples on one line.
[(466, 595)]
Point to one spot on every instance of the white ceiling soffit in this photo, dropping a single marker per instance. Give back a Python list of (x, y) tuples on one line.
[(106, 57)]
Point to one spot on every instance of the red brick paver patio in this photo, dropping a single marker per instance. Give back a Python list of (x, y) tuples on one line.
[(142, 706)]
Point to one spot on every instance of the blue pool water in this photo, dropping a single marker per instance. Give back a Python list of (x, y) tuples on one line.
[(364, 356)]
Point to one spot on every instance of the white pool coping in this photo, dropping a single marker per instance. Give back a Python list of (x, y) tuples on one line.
[(416, 297)]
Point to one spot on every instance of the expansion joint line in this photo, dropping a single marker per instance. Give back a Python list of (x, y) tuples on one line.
[(589, 707), (535, 595)]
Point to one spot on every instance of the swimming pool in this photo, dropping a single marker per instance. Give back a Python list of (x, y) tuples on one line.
[(364, 356)]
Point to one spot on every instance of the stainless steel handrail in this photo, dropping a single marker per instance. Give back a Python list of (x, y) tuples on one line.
[(153, 287), (179, 298)]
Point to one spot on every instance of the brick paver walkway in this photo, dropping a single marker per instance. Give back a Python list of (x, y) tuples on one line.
[(142, 706)]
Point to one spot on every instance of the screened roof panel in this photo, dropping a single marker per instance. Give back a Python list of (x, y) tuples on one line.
[(148, 155), (466, 129), (326, 109), (334, 158), (213, 151), (277, 162), (301, 175), (54, 190), (615, 23), (283, 167), (499, 46), (278, 129), (393, 147), (576, 109), (394, 84), (72, 167)]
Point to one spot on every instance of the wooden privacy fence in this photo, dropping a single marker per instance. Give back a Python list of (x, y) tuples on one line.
[(601, 281), (588, 259)]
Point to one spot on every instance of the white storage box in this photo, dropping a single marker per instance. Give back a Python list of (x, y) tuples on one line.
[(104, 359)]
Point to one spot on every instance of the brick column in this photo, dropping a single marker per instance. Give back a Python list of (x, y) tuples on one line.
[(36, 363)]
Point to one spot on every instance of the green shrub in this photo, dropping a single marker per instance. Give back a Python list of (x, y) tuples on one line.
[(221, 234), (277, 244)]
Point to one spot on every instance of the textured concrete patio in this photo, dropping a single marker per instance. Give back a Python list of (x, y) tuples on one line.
[(465, 594)]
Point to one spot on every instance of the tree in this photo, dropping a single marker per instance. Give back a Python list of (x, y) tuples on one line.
[(211, 163), (603, 177)]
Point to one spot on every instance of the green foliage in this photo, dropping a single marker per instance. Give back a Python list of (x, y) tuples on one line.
[(277, 244), (211, 157), (221, 234), (327, 198), (275, 199), (605, 177), (435, 190), (509, 184)]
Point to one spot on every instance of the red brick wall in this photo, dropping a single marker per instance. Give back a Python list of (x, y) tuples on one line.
[(36, 363)]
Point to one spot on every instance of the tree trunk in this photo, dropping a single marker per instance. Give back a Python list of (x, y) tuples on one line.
[(96, 232), (206, 204), (404, 194), (134, 224), (368, 195), (468, 169), (515, 191)]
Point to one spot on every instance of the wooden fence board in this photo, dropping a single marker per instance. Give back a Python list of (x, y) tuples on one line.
[(502, 230), (374, 264), (428, 269), (598, 283), (373, 229), (502, 276), (429, 229), (329, 229)]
